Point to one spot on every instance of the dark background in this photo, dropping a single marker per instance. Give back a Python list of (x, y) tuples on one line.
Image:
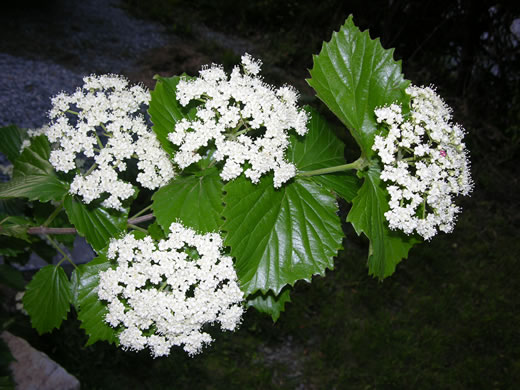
[(449, 318)]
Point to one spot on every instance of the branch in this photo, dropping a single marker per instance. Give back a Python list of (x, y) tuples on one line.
[(50, 230)]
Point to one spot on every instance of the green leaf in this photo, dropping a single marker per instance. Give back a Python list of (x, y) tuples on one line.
[(353, 75), (34, 159), (156, 232), (270, 303), (36, 187), (320, 148), (91, 311), (15, 227), (195, 200), (97, 224), (387, 247), (165, 111), (33, 176), (12, 138), (280, 236), (11, 277), (47, 298)]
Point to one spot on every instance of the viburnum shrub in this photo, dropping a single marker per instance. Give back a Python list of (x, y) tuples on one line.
[(212, 194)]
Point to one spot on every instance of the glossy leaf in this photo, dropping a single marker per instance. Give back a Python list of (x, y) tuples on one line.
[(320, 148), (354, 74), (92, 311), (35, 187), (387, 247), (15, 227), (270, 303), (156, 231), (97, 224), (280, 236), (47, 298), (33, 176), (165, 111), (34, 159), (194, 200)]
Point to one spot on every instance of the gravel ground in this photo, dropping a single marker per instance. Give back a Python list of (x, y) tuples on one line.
[(51, 47), (26, 87)]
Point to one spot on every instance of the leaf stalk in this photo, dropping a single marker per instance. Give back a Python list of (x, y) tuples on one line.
[(359, 164)]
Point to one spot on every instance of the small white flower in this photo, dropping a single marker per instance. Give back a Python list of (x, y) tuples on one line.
[(163, 294), (251, 66), (246, 119), (425, 164), (102, 122)]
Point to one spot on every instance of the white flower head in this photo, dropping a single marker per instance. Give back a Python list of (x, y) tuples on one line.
[(162, 294), (245, 119), (425, 164), (102, 122)]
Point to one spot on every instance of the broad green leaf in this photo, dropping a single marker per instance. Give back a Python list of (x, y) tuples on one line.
[(11, 277), (33, 176), (156, 231), (34, 159), (353, 75), (280, 236), (97, 224), (387, 247), (138, 235), (320, 148), (194, 200), (15, 227), (47, 298), (12, 138), (91, 311), (270, 303), (35, 187), (165, 111)]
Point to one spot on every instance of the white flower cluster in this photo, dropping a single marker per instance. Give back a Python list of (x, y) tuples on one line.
[(162, 294), (102, 121), (425, 164), (247, 120)]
